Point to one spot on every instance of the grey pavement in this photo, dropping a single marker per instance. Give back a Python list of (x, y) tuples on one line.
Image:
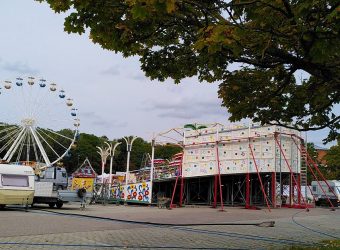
[(40, 229)]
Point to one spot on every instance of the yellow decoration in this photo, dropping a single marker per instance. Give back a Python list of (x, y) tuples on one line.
[(86, 183)]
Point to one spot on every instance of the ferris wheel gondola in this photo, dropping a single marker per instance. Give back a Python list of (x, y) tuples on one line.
[(36, 123)]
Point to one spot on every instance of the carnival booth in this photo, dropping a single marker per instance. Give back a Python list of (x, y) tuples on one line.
[(84, 177)]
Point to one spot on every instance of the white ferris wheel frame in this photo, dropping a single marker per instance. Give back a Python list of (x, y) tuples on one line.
[(28, 130)]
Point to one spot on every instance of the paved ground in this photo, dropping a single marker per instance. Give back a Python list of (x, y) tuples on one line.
[(39, 229)]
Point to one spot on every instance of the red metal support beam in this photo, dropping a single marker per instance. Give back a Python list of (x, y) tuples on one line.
[(311, 193), (310, 160), (173, 192), (259, 176), (299, 184), (182, 181), (319, 172), (274, 189), (323, 191), (215, 191), (291, 190), (181, 192), (247, 190), (290, 169), (219, 174)]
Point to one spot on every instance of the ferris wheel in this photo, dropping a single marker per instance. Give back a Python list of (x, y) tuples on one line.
[(38, 121)]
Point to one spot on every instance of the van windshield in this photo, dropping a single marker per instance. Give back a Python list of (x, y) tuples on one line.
[(14, 180)]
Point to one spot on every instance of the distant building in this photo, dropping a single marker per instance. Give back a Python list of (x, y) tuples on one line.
[(322, 152)]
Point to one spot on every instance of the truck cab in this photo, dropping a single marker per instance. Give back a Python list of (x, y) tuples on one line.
[(56, 175)]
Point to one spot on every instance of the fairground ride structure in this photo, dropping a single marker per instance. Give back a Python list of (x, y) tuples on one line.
[(38, 122), (251, 166)]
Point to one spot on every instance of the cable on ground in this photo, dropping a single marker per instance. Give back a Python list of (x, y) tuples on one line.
[(311, 229)]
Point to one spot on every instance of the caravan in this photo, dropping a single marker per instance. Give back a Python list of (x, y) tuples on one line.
[(16, 185), (325, 192)]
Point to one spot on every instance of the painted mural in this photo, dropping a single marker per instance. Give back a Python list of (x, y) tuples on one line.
[(86, 183), (136, 192), (139, 192), (117, 192)]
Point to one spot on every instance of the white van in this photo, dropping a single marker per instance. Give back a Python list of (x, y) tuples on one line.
[(16, 185)]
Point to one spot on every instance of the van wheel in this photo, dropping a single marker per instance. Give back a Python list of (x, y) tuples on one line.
[(60, 204), (51, 205), (2, 206), (60, 188)]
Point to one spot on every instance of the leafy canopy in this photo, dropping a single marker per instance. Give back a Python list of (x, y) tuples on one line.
[(333, 162), (274, 42)]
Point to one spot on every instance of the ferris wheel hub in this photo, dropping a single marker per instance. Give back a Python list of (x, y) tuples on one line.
[(28, 122)]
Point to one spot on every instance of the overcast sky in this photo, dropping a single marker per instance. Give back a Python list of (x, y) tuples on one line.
[(112, 94)]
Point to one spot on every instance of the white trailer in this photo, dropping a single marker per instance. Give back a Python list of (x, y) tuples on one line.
[(16, 185), (322, 191), (44, 193)]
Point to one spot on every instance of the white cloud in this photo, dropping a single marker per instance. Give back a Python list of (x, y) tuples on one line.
[(18, 67), (113, 70)]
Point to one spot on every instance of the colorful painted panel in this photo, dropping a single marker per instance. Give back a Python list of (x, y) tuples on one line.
[(139, 192), (117, 192), (86, 183)]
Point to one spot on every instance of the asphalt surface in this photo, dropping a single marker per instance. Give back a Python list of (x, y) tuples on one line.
[(97, 227)]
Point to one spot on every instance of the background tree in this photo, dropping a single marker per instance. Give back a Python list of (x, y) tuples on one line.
[(313, 153), (85, 148), (333, 162), (288, 51), (167, 151), (141, 151), (139, 148), (331, 171)]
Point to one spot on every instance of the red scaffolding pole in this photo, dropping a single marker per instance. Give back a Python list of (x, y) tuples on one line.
[(219, 174), (215, 191), (299, 183), (173, 193), (175, 187), (310, 160), (290, 169), (248, 190), (319, 172), (259, 176), (274, 189), (306, 164), (182, 182), (291, 190), (317, 180)]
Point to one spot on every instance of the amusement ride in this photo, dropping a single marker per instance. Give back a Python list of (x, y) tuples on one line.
[(39, 122)]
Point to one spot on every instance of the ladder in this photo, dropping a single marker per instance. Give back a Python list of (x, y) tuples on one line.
[(294, 182), (303, 170)]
